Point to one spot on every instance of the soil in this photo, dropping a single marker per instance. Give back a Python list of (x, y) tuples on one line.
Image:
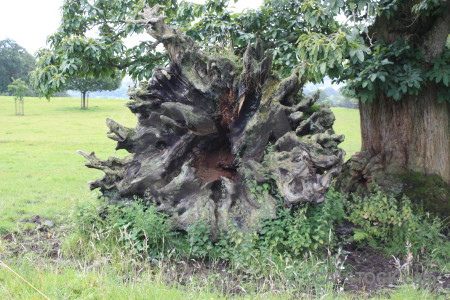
[(369, 271), (211, 166), (41, 238)]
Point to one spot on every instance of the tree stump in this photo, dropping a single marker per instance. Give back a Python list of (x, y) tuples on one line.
[(219, 141)]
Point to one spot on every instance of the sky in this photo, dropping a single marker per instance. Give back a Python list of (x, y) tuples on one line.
[(30, 22)]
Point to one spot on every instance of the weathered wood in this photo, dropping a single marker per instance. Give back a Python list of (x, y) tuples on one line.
[(200, 149)]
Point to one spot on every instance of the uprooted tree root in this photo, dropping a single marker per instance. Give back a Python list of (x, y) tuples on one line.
[(204, 124)]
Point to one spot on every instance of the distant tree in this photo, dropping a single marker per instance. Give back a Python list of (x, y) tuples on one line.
[(19, 89), (15, 62), (89, 84), (343, 101), (325, 98)]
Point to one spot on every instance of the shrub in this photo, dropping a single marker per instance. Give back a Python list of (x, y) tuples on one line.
[(141, 229), (309, 227), (200, 240), (388, 223)]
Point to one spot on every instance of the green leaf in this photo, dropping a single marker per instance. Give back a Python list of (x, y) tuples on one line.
[(323, 67), (360, 55)]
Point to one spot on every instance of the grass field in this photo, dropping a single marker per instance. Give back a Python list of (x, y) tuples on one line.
[(41, 173), (347, 123)]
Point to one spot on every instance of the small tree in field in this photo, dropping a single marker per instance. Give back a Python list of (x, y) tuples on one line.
[(88, 84), (19, 89)]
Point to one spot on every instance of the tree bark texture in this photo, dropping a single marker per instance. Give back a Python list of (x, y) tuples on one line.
[(408, 135), (411, 135), (219, 141)]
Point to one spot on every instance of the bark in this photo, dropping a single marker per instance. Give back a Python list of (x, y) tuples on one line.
[(411, 135), (83, 100), (408, 135), (218, 141), (398, 137)]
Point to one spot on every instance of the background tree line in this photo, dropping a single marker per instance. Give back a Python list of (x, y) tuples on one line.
[(16, 64)]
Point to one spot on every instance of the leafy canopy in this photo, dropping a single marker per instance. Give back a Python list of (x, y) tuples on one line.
[(90, 42), (89, 84), (376, 46), (18, 88), (15, 62)]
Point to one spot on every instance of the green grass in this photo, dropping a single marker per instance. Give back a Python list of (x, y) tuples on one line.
[(69, 283), (347, 123), (41, 174), (40, 171)]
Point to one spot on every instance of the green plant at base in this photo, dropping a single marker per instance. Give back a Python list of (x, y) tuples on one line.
[(200, 240), (390, 224), (310, 227), (139, 228)]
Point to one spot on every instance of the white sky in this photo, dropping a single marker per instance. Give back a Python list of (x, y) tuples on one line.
[(30, 22)]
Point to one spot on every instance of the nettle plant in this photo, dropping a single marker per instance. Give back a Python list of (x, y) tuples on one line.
[(384, 222), (291, 234)]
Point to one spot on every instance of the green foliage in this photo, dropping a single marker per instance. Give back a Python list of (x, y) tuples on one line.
[(200, 240), (290, 235), (15, 62), (137, 227), (18, 88), (390, 224), (93, 84), (298, 32), (73, 52), (393, 69), (309, 227), (440, 74), (324, 54), (372, 61)]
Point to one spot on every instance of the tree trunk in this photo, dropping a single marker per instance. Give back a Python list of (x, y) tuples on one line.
[(408, 135), (398, 137), (83, 100), (404, 143), (217, 141)]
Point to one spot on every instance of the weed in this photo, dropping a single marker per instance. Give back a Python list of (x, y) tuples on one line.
[(200, 240), (135, 226), (388, 223)]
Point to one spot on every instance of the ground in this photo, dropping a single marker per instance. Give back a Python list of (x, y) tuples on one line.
[(42, 178)]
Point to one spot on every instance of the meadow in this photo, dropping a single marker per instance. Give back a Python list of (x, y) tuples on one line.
[(41, 173), (42, 177)]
